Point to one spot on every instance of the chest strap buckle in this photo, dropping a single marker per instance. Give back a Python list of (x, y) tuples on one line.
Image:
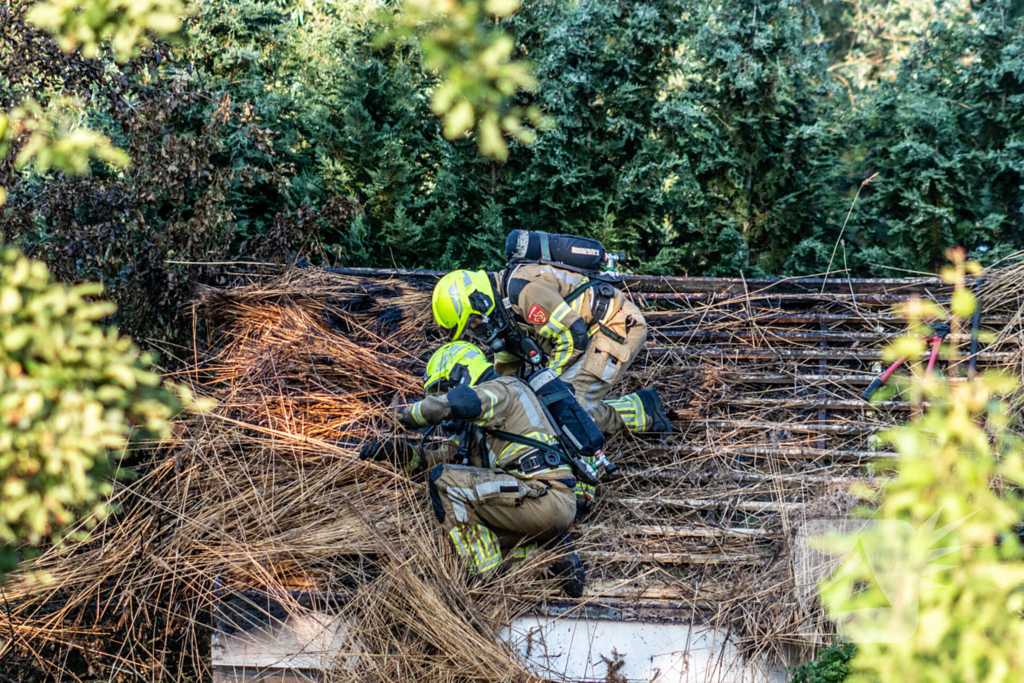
[(537, 462)]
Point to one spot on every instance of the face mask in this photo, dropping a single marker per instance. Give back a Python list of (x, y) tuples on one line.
[(488, 332)]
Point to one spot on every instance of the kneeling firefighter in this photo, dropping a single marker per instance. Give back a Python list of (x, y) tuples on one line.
[(553, 306), (525, 444)]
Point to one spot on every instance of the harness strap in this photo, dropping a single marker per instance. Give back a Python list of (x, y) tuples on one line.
[(578, 292), (598, 311), (612, 334), (527, 441)]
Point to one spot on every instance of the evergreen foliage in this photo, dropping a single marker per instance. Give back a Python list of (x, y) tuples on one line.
[(706, 138), (946, 138), (868, 39), (755, 132), (830, 666)]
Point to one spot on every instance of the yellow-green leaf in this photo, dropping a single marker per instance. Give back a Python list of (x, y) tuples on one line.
[(502, 8), (458, 120), (962, 303), (904, 347), (491, 143)]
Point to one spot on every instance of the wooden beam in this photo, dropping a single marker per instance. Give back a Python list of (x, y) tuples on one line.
[(810, 286), (778, 298), (708, 504), (788, 453), (660, 349), (704, 478), (794, 427), (767, 335), (807, 380), (674, 558), (677, 532), (705, 315), (642, 590), (671, 284), (767, 404)]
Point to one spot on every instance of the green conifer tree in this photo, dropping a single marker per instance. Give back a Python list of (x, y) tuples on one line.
[(945, 139)]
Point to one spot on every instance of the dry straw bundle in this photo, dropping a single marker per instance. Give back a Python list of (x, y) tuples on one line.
[(266, 493)]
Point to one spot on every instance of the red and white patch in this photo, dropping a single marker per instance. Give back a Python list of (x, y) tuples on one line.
[(537, 315)]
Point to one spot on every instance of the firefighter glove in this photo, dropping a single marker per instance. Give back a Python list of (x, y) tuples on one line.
[(390, 450)]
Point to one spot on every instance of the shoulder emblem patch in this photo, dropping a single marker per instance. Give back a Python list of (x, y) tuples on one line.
[(537, 315)]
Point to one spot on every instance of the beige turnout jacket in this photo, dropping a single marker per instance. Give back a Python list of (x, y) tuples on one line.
[(506, 404)]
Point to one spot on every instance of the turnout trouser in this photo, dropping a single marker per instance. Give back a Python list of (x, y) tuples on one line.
[(484, 509), (605, 361)]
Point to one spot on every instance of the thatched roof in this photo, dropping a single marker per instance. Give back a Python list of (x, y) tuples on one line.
[(266, 494)]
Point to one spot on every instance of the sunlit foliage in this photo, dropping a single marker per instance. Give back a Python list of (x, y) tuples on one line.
[(958, 485), (73, 394), (460, 40), (127, 25)]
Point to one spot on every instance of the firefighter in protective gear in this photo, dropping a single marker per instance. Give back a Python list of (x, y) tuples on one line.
[(587, 330), (509, 496)]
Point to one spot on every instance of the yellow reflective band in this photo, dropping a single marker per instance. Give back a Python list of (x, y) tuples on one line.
[(626, 410), (491, 404), (414, 461), (417, 413), (459, 541), (577, 305), (478, 545), (560, 336), (521, 553), (631, 409), (585, 491)]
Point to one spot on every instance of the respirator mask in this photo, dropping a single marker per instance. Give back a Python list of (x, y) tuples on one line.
[(488, 332)]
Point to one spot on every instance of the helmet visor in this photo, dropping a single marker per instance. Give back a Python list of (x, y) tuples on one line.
[(458, 375)]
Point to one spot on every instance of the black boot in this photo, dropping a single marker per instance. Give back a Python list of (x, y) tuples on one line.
[(569, 566), (652, 406)]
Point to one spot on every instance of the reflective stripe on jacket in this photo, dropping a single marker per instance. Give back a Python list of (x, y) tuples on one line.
[(562, 330)]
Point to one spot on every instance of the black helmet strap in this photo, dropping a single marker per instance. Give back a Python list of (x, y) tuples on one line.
[(514, 338)]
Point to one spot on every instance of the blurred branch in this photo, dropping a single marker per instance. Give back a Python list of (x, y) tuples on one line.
[(128, 24), (479, 78)]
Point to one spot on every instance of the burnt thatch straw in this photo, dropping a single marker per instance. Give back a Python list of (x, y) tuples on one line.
[(266, 492)]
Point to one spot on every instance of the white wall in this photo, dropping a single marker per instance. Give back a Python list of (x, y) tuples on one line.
[(581, 649)]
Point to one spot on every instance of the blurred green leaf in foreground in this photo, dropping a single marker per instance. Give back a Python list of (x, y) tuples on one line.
[(73, 395), (958, 488), (128, 24), (461, 41)]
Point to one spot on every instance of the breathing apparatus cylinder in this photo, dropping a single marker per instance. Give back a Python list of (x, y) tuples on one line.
[(578, 252)]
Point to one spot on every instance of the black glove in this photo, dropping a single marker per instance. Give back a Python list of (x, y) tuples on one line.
[(406, 420), (584, 506), (395, 451)]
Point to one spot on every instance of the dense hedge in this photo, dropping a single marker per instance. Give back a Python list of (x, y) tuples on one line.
[(709, 138)]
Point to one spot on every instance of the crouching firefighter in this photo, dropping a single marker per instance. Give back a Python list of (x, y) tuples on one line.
[(546, 313), (512, 487)]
